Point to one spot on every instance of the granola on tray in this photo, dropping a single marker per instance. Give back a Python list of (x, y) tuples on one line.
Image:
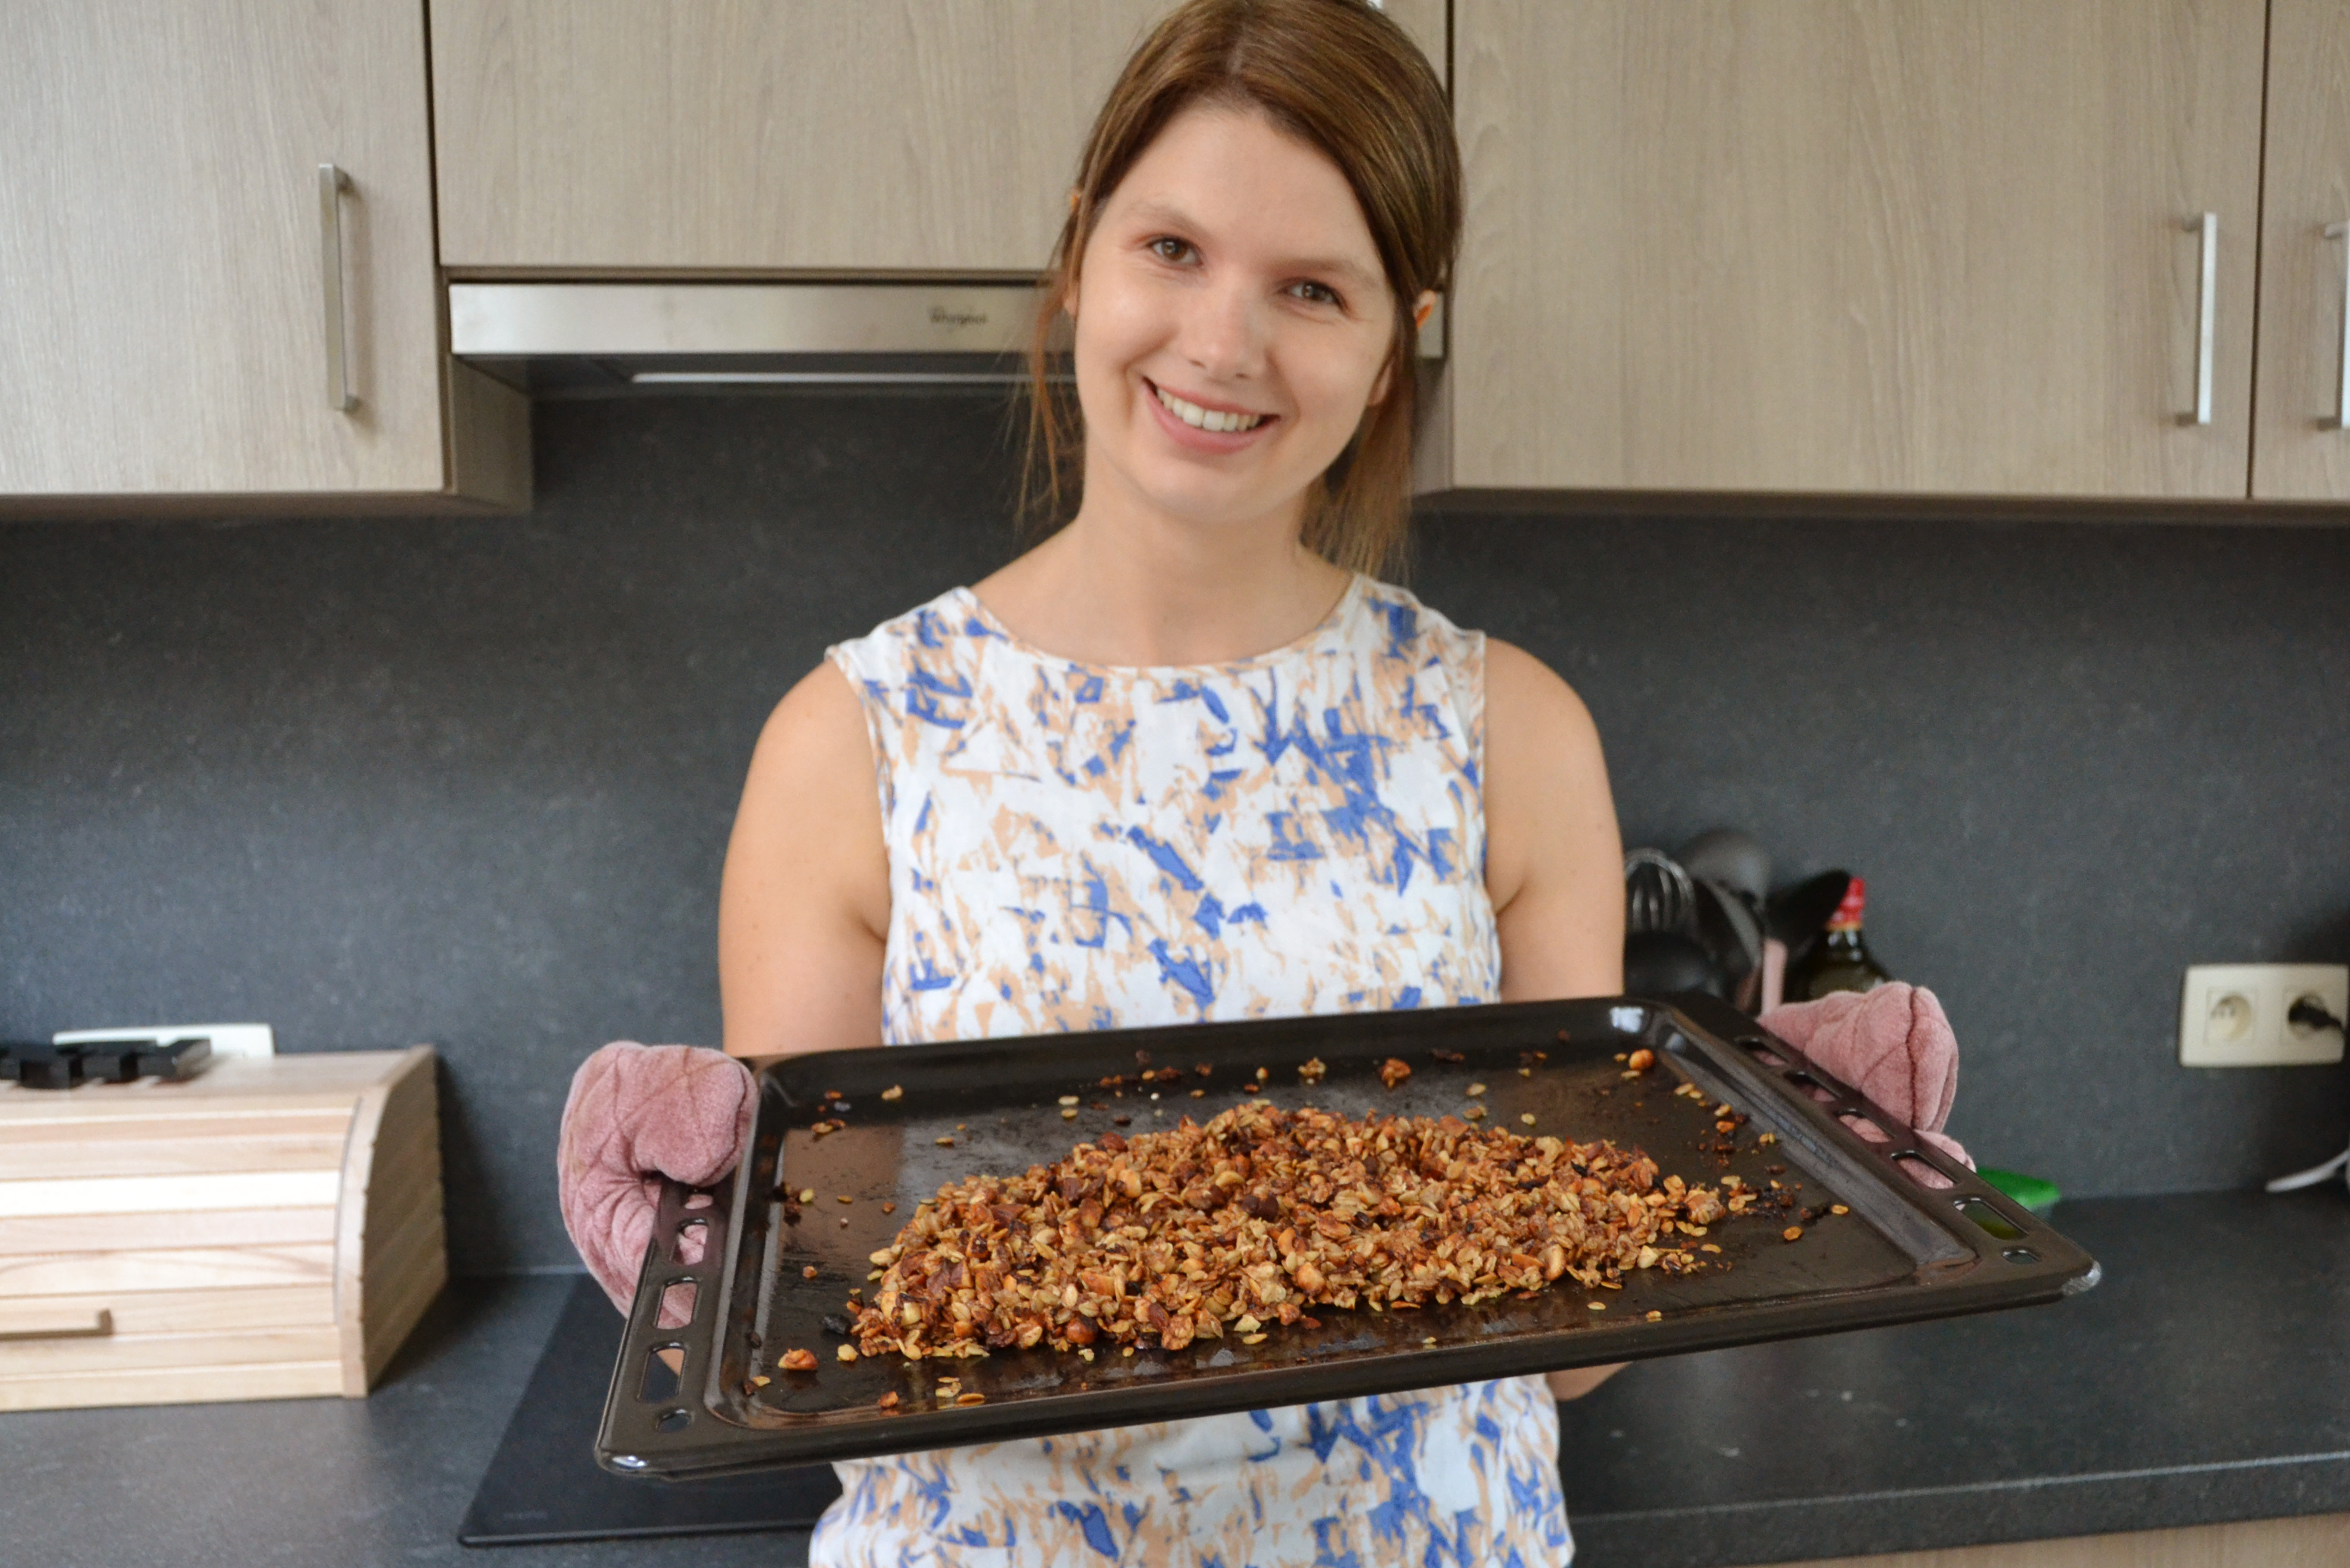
[(1257, 1217)]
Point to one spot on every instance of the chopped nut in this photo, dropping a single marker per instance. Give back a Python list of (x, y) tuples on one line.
[(1087, 1354), (761, 1382), (1252, 1339), (798, 1361), (1620, 1056), (1792, 1233), (1394, 1070), (1707, 1247), (1199, 1094), (1475, 1113), (1525, 1072), (943, 1142), (807, 1194), (1766, 1140), (1262, 1074), (1641, 1060), (1430, 1340), (1596, 1306), (889, 1209), (1527, 1117), (1838, 1208), (1313, 1070), (1069, 1115), (970, 1398), (1474, 1090), (844, 1198), (894, 1092), (1655, 1317), (845, 1352), (809, 1271), (887, 1402), (1260, 1215), (1068, 1099)]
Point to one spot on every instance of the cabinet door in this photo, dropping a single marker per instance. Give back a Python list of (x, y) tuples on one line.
[(1821, 245), (2301, 449), (743, 136), (162, 329)]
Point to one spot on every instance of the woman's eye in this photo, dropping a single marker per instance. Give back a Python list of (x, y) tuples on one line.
[(1171, 250), (1316, 293)]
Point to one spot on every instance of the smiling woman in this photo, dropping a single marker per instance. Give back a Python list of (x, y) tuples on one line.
[(1188, 759), (1356, 241)]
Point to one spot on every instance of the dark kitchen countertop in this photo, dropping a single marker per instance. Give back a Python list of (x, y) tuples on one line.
[(2207, 1379)]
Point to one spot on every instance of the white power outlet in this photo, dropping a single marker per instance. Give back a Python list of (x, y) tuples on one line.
[(2235, 1014)]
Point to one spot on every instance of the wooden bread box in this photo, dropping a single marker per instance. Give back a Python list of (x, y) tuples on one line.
[(269, 1229)]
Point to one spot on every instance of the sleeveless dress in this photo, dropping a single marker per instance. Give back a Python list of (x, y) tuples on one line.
[(1076, 846)]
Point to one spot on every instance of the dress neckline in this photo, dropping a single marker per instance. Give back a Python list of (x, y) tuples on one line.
[(1329, 624)]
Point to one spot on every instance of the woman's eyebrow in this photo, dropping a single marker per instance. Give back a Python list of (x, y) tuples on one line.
[(1158, 213)]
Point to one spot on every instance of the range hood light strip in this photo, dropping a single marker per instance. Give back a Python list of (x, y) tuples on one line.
[(836, 378)]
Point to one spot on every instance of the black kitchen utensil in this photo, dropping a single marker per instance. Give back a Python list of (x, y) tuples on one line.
[(1657, 963), (1903, 1250)]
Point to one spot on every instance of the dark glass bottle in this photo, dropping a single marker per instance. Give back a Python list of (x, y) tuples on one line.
[(1839, 960)]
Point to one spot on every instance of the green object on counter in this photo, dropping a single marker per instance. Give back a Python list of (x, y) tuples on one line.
[(2035, 1194)]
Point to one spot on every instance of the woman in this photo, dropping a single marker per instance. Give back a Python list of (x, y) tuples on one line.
[(1184, 760)]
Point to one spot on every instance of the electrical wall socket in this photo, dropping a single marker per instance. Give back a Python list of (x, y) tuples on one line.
[(2233, 1014)]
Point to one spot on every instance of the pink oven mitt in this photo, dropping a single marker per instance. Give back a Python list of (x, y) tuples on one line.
[(636, 1113), (1893, 1044)]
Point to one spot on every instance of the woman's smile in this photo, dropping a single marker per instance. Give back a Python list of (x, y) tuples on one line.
[(1205, 424)]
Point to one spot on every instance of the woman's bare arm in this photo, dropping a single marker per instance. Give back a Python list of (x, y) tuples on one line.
[(1554, 862), (804, 910)]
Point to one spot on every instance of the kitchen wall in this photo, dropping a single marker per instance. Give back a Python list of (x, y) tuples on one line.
[(469, 781)]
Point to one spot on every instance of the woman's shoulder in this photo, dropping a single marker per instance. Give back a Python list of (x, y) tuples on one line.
[(1409, 628), (935, 632)]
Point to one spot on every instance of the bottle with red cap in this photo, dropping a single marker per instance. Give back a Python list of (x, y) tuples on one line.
[(1839, 960)]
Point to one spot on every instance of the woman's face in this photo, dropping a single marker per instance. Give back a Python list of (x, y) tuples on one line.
[(1232, 321)]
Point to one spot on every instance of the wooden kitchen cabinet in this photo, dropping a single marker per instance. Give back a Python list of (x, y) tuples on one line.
[(1814, 245), (2301, 446), (612, 137), (163, 326)]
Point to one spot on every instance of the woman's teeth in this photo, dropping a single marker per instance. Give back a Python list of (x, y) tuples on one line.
[(1197, 418)]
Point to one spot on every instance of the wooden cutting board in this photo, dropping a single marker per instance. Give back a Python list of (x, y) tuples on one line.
[(269, 1229)]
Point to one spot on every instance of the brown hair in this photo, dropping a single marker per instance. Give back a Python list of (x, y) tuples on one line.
[(1345, 80)]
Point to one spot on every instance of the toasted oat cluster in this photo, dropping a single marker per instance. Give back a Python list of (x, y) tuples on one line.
[(1258, 1216)]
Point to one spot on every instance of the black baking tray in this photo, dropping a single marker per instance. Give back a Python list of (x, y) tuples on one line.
[(681, 1403)]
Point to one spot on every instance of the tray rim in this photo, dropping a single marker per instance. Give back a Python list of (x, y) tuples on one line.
[(1720, 1041)]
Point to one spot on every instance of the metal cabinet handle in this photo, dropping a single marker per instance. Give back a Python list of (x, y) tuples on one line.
[(2207, 307), (2342, 401), (102, 1328), (332, 183)]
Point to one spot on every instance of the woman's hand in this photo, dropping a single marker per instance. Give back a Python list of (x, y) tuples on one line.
[(637, 1113), (1893, 1043)]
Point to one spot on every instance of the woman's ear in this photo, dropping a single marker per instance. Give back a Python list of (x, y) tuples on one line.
[(1422, 307)]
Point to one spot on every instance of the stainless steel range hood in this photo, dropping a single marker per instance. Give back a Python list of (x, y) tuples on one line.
[(607, 340), (593, 339)]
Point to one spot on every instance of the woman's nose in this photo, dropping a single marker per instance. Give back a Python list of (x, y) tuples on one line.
[(1223, 332)]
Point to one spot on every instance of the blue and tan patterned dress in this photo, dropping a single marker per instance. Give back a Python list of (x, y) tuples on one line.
[(1075, 846)]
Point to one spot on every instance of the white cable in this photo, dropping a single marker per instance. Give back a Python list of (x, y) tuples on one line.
[(2313, 1175)]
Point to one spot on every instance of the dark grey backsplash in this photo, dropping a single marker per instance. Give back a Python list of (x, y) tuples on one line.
[(469, 781)]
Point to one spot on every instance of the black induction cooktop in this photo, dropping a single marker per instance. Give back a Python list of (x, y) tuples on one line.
[(544, 1484)]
